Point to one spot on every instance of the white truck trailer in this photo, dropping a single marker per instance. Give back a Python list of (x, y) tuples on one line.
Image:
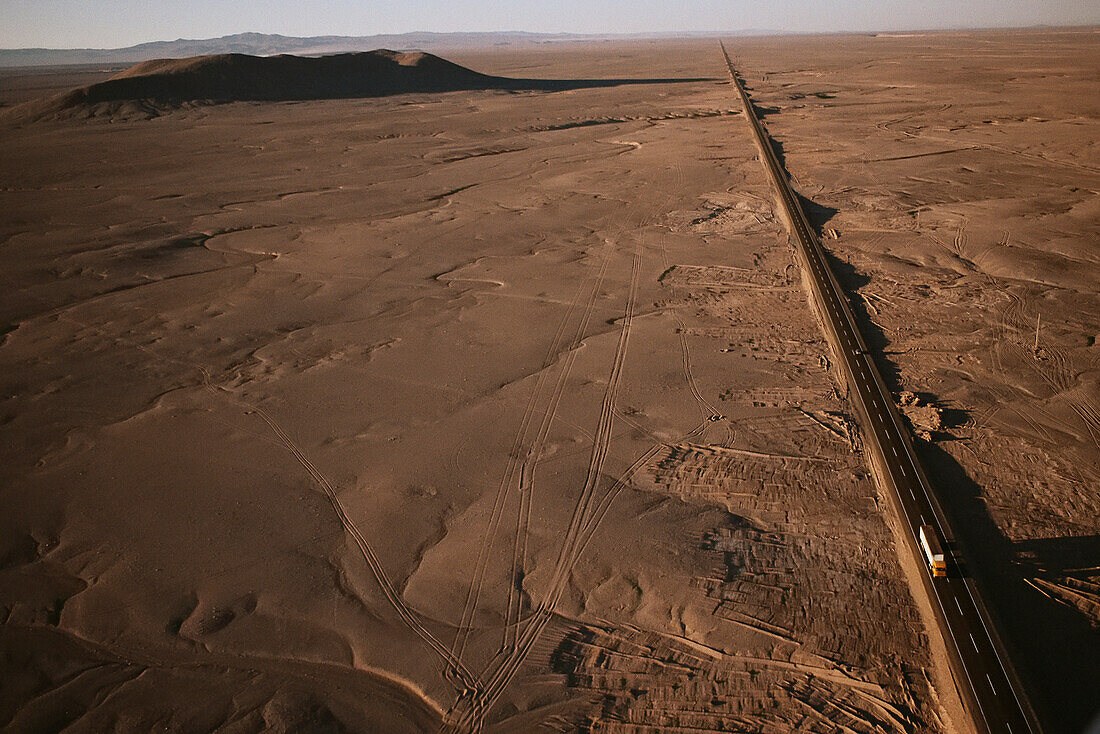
[(933, 550)]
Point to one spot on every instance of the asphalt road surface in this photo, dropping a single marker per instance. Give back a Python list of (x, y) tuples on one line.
[(981, 670)]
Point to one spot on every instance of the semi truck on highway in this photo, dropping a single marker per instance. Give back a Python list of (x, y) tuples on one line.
[(933, 550)]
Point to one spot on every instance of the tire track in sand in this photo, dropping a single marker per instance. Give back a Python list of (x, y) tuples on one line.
[(407, 615), (593, 285), (469, 717), (392, 595), (534, 450), (526, 473), (526, 480)]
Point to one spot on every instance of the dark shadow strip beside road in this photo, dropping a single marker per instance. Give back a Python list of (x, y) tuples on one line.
[(1057, 650)]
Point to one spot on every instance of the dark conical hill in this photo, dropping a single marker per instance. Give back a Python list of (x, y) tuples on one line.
[(238, 77)]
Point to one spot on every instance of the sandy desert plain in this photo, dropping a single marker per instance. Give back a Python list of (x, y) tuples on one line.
[(505, 410)]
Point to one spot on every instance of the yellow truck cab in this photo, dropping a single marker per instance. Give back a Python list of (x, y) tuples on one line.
[(933, 550)]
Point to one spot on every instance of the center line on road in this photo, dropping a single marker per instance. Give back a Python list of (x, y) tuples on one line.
[(974, 642), (833, 297)]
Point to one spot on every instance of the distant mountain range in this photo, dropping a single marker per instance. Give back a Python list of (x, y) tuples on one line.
[(262, 44)]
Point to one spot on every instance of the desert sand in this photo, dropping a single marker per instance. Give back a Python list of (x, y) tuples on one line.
[(504, 409)]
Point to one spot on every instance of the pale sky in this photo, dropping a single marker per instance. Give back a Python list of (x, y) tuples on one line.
[(115, 23)]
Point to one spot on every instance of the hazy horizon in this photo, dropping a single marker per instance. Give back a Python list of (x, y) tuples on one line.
[(62, 24)]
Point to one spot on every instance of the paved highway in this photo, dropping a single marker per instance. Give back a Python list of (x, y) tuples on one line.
[(982, 674)]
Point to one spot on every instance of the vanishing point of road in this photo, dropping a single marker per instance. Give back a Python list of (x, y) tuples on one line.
[(983, 674)]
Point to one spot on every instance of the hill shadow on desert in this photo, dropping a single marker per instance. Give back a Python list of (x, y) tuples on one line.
[(164, 84)]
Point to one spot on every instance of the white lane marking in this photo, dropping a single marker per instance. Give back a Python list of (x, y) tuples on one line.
[(966, 670), (960, 606), (909, 455), (894, 450), (974, 642), (904, 474), (922, 520), (991, 686), (997, 652), (999, 660), (785, 192)]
